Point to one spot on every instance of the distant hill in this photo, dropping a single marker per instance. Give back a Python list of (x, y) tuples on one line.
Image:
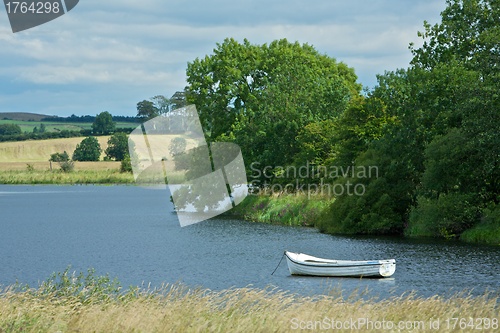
[(23, 116)]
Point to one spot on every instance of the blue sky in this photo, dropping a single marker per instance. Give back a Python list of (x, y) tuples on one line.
[(109, 55)]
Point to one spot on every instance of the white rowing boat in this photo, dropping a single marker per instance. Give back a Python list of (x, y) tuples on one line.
[(303, 264)]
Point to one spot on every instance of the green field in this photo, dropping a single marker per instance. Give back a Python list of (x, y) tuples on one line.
[(28, 126), (28, 121)]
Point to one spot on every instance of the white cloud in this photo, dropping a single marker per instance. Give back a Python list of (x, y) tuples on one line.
[(121, 50)]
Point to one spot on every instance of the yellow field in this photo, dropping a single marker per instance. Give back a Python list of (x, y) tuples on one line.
[(40, 150), (27, 162)]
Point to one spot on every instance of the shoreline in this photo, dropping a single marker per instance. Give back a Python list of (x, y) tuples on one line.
[(57, 177), (296, 210), (290, 210)]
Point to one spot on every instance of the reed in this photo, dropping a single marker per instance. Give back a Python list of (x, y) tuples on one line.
[(97, 304)]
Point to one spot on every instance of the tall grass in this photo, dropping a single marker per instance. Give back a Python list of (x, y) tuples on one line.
[(58, 177), (85, 303)]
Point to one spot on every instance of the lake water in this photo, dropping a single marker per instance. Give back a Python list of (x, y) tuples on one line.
[(132, 234)]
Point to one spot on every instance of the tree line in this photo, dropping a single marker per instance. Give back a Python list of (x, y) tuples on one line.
[(87, 119), (42, 136), (102, 124), (431, 130)]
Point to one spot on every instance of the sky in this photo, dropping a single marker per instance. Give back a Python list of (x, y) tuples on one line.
[(110, 55)]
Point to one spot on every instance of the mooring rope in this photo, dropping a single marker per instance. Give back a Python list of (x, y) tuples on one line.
[(278, 263)]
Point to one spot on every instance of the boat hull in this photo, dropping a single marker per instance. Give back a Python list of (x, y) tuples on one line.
[(302, 264)]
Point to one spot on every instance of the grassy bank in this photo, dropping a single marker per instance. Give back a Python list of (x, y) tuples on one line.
[(294, 210), (488, 230), (70, 303), (108, 176)]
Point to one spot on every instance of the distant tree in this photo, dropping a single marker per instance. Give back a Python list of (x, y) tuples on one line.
[(103, 123), (178, 100), (117, 146), (59, 157), (161, 103), (147, 110), (42, 129), (87, 150), (10, 129)]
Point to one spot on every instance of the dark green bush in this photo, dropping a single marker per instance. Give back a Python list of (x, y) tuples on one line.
[(448, 216)]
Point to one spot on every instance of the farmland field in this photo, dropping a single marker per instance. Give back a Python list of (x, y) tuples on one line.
[(27, 162), (43, 166), (40, 150)]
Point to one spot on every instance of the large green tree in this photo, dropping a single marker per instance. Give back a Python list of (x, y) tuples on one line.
[(469, 32), (87, 150), (439, 160), (461, 56), (262, 96), (392, 144)]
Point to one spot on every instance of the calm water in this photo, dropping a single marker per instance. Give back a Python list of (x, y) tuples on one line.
[(132, 234)]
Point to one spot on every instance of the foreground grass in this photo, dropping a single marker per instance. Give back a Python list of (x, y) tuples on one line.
[(85, 303), (112, 176)]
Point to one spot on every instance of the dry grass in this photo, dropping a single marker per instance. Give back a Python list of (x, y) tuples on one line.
[(45, 166), (177, 309), (82, 176), (40, 150)]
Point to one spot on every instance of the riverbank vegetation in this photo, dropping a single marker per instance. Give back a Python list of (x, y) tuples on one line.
[(69, 302), (293, 210), (79, 176), (429, 133)]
